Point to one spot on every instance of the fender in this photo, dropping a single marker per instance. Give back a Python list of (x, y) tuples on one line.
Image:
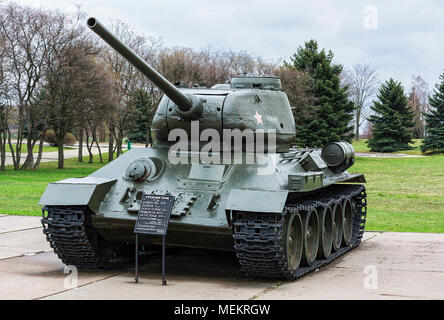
[(256, 200), (88, 191)]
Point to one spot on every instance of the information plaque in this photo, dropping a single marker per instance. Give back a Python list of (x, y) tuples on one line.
[(153, 219), (154, 214)]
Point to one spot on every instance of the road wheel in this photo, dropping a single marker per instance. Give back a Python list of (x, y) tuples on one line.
[(294, 241), (337, 226), (326, 232), (347, 223), (311, 237)]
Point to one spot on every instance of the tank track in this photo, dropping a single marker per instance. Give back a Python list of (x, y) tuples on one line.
[(67, 233), (259, 241)]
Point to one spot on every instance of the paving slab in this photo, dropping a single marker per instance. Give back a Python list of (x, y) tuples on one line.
[(406, 266), (10, 223), (401, 251), (178, 288), (34, 277), (386, 266), (191, 274), (18, 243)]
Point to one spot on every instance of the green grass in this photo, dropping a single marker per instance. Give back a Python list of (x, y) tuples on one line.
[(404, 194), (361, 146), (21, 190), (35, 149)]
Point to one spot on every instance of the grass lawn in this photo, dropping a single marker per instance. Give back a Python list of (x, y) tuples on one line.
[(361, 146), (21, 190), (404, 194)]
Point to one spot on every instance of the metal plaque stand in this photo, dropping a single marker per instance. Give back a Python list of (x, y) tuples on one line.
[(137, 258), (153, 219), (164, 282)]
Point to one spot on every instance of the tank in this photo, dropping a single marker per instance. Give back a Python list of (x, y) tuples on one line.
[(226, 155)]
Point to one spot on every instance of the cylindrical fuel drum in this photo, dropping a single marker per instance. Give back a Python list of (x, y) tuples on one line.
[(338, 153)]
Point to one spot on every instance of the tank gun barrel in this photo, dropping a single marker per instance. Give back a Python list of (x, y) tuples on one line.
[(184, 102)]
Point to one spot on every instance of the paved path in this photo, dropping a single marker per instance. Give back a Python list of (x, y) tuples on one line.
[(53, 155), (400, 266), (68, 153), (387, 155), (72, 153)]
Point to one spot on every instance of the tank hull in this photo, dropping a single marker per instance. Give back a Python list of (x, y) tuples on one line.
[(179, 234), (205, 195)]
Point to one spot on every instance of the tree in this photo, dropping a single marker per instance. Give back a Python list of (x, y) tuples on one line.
[(297, 85), (418, 103), (3, 103), (98, 101), (23, 33), (140, 130), (70, 78), (362, 84), (3, 132), (328, 118), (434, 128), (392, 119), (127, 79)]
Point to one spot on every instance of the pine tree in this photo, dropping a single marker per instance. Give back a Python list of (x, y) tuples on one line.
[(434, 140), (139, 123), (392, 119), (329, 118)]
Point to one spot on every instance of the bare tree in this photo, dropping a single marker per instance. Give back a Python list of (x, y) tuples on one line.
[(67, 79), (99, 101), (362, 84), (241, 63), (297, 85), (209, 67), (127, 78), (3, 101), (25, 51), (419, 103)]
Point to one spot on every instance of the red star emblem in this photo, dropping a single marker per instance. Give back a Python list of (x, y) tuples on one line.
[(258, 118)]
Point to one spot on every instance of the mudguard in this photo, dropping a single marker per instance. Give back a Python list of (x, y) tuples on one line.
[(256, 200), (89, 191)]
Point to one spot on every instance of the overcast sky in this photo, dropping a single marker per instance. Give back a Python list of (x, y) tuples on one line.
[(397, 38)]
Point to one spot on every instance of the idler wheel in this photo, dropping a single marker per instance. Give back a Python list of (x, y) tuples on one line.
[(294, 241), (337, 226), (347, 223), (311, 237), (326, 232)]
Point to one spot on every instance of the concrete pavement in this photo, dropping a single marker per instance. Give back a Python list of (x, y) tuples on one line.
[(385, 266), (53, 155), (387, 155)]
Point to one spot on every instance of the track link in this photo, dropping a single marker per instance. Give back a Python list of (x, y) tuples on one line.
[(259, 239), (68, 234)]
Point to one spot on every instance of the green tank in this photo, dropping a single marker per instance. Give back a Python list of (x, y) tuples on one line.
[(284, 211)]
